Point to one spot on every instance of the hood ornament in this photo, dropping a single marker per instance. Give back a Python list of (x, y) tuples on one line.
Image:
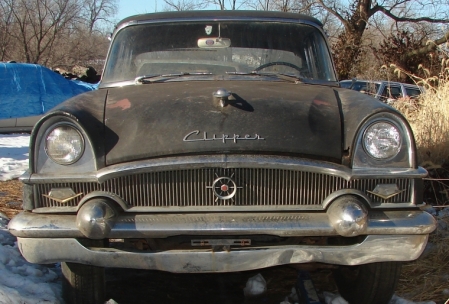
[(223, 95)]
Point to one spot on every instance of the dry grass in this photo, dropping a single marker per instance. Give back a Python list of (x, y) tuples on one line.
[(428, 277), (429, 116), (429, 119)]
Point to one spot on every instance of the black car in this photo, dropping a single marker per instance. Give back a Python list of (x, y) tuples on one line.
[(220, 141)]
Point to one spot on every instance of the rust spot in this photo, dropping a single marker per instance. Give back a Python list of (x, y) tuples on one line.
[(123, 104)]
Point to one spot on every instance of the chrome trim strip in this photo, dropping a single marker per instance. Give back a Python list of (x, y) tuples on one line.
[(373, 249), (227, 161), (32, 225), (212, 18), (277, 208)]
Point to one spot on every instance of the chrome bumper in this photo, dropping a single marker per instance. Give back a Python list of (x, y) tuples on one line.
[(35, 225), (374, 248), (392, 236)]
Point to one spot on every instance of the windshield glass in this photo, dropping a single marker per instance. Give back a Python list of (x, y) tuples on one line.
[(218, 48)]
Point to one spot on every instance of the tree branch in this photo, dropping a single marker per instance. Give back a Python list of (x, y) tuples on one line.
[(431, 45), (387, 12)]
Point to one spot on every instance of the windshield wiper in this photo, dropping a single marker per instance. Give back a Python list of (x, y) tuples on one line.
[(282, 76), (159, 78)]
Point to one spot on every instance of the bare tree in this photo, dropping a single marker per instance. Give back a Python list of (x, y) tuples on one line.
[(98, 10), (356, 15), (303, 7), (228, 4), (262, 5), (428, 46), (184, 5), (54, 32), (39, 24), (5, 28)]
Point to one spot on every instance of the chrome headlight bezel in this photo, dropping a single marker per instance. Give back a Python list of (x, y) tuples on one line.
[(77, 147), (40, 161), (406, 154)]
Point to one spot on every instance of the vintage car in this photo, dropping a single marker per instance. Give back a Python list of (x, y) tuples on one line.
[(220, 141)]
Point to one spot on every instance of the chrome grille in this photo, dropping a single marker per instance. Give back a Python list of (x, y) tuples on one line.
[(259, 187)]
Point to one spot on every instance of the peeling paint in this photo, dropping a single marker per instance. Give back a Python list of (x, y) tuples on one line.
[(123, 104)]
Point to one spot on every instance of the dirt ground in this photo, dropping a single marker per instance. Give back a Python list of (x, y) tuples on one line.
[(426, 279), (10, 197)]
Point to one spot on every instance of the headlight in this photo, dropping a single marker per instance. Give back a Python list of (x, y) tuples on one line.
[(64, 145), (382, 140)]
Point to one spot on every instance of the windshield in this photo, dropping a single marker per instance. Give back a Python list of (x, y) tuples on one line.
[(218, 48)]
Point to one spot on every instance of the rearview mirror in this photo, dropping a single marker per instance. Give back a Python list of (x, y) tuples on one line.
[(214, 42)]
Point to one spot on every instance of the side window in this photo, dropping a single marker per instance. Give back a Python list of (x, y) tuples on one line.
[(391, 92), (412, 93), (365, 87), (345, 84), (359, 86), (372, 88)]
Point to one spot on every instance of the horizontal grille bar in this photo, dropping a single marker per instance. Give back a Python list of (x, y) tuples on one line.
[(210, 187)]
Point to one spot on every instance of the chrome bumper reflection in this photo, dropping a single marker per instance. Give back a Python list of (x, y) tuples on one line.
[(375, 248), (32, 225)]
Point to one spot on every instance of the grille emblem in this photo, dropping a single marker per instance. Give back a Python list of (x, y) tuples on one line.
[(224, 188), (62, 195), (386, 191)]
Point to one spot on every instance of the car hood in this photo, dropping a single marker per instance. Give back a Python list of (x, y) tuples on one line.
[(178, 118)]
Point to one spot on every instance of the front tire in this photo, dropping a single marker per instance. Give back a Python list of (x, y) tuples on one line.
[(373, 283), (83, 283)]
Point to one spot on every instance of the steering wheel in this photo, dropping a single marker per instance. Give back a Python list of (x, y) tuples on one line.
[(266, 65)]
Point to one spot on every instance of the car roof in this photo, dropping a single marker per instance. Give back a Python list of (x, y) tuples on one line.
[(219, 14), (382, 81)]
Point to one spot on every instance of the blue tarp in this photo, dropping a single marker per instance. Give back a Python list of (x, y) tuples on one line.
[(31, 89)]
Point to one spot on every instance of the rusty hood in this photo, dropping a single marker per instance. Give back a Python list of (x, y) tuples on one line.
[(178, 118)]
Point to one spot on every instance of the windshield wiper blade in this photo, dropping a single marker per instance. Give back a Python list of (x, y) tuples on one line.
[(291, 78), (243, 73), (156, 78)]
